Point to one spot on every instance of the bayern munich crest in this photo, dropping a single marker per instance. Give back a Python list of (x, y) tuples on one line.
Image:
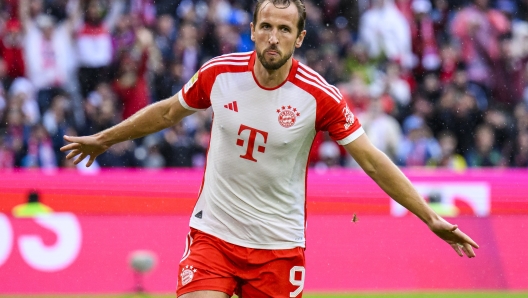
[(187, 274), (287, 116)]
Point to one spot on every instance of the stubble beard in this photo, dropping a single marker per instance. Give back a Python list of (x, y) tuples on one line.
[(273, 65)]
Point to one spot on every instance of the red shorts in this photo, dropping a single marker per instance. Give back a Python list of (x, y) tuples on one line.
[(215, 265)]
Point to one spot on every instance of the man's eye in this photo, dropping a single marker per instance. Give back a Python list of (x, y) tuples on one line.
[(286, 30)]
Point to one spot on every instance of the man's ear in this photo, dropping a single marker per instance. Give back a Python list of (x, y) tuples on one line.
[(252, 27), (300, 39)]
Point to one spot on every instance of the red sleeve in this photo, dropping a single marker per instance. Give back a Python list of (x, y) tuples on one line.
[(338, 120), (195, 95)]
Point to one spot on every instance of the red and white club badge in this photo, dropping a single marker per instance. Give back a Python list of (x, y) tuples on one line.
[(287, 116)]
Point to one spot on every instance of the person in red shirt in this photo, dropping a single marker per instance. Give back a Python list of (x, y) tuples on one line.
[(11, 50), (130, 84)]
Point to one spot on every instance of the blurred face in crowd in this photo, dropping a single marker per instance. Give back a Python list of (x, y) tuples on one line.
[(506, 48), (484, 139), (165, 25), (448, 144), (522, 141), (377, 3), (276, 35), (94, 12), (35, 7), (482, 4), (15, 117)]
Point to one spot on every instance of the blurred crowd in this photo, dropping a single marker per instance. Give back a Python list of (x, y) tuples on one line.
[(437, 83)]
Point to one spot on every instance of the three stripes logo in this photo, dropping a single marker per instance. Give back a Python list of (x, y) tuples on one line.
[(232, 106)]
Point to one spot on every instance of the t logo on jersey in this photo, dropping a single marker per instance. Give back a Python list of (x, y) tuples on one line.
[(253, 132)]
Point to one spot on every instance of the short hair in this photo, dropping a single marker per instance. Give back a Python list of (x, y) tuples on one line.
[(284, 4)]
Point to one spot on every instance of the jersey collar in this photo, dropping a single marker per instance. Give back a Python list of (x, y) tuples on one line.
[(290, 77)]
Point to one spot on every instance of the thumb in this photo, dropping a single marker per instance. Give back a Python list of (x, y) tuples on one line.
[(454, 228)]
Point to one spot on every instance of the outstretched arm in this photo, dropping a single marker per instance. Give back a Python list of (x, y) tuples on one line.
[(150, 119), (23, 14), (389, 177)]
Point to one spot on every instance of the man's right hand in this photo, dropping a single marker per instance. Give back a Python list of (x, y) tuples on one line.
[(84, 146)]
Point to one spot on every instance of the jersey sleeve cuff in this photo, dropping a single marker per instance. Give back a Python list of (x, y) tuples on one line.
[(356, 134), (185, 105)]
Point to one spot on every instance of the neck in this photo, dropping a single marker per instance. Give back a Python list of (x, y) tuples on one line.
[(272, 78)]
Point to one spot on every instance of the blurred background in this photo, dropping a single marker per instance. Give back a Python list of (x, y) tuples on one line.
[(440, 86)]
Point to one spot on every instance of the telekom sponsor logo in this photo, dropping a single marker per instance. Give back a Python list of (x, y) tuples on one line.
[(253, 132), (33, 250), (475, 194)]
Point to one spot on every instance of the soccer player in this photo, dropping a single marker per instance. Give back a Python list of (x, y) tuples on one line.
[(247, 230)]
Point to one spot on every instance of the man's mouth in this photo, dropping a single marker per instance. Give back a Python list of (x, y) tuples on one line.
[(272, 52)]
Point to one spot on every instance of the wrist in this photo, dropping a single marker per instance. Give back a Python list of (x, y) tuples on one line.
[(103, 139), (431, 218)]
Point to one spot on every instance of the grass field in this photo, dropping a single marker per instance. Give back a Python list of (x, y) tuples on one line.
[(359, 295)]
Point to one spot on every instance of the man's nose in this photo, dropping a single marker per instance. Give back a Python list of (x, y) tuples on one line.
[(273, 37)]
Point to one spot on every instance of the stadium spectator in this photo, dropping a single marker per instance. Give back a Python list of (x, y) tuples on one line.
[(478, 28), (94, 42), (11, 51), (386, 32), (504, 132), (329, 155), (7, 156), (48, 53), (120, 156), (40, 153), (418, 146), (382, 129), (450, 61), (359, 64), (509, 75), (56, 121), (124, 36), (520, 157), (22, 90), (165, 36), (440, 16), (33, 207), (397, 91), (177, 147), (187, 51), (431, 87), (449, 158), (131, 85), (484, 154), (424, 47)]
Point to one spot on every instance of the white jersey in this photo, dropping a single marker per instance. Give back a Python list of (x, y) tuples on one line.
[(254, 188)]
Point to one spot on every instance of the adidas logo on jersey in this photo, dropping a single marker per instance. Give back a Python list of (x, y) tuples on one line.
[(232, 106)]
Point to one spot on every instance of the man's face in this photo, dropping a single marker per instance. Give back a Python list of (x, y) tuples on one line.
[(275, 34)]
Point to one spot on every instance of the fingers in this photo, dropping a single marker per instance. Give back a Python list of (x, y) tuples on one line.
[(90, 162), (464, 243), (80, 158), (74, 144), (456, 247), (466, 239), (73, 153), (71, 139), (70, 147), (468, 250)]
